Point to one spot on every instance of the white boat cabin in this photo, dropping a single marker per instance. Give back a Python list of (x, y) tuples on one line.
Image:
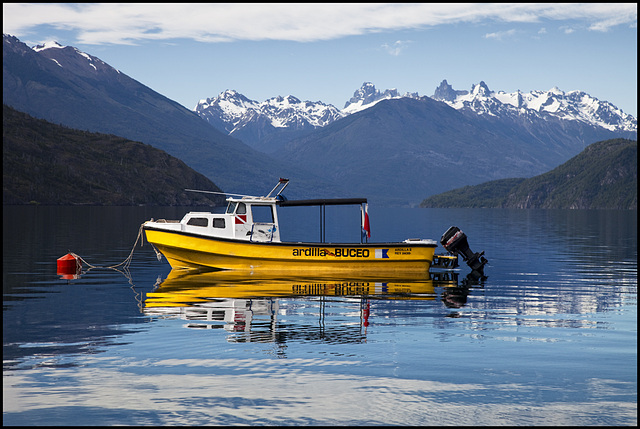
[(247, 218)]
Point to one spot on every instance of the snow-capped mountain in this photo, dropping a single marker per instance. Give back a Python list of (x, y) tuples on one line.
[(229, 108), (268, 125), (568, 106), (368, 96), (232, 112), (70, 57), (47, 45), (236, 111)]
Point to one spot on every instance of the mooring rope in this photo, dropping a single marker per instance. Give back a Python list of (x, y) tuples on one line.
[(124, 264), (122, 267)]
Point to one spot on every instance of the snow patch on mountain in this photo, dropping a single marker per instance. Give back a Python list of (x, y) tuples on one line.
[(368, 96), (48, 45), (569, 106)]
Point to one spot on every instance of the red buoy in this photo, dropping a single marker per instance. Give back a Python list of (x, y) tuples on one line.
[(69, 266)]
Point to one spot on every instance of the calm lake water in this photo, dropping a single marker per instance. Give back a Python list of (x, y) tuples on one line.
[(548, 338)]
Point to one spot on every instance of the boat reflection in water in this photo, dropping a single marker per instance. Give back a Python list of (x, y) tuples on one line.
[(249, 305)]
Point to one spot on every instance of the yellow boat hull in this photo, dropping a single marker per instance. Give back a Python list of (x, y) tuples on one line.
[(370, 260)]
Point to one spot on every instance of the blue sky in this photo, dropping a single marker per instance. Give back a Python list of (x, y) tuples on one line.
[(324, 52)]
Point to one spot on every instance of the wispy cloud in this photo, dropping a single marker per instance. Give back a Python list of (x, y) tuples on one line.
[(500, 35), (396, 47), (131, 23)]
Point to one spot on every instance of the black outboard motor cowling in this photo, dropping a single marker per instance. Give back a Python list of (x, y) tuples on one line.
[(455, 241)]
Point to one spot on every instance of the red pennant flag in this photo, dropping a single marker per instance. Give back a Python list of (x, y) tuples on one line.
[(365, 225)]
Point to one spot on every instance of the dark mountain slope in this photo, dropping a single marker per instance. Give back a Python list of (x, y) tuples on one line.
[(400, 148), (603, 176), (50, 164), (68, 87)]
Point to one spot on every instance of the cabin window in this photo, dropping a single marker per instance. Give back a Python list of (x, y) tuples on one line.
[(241, 208), (262, 214), (218, 222), (198, 221)]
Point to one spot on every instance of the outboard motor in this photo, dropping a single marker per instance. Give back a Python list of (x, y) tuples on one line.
[(455, 241)]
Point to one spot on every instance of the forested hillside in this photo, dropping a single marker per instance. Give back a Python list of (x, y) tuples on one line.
[(50, 164), (603, 176)]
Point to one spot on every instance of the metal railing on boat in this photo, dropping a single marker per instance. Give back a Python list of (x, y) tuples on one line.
[(323, 203)]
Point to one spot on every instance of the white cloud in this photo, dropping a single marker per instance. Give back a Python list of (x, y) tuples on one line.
[(499, 35), (130, 23), (396, 48)]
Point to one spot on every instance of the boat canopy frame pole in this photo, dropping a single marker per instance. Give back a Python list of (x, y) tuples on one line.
[(282, 182), (323, 219), (323, 203)]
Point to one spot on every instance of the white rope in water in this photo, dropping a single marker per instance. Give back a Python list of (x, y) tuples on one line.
[(123, 266)]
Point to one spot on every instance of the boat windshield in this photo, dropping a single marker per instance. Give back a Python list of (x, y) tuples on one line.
[(241, 208)]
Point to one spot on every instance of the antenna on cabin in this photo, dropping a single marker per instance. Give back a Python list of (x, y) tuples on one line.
[(282, 182), (218, 193)]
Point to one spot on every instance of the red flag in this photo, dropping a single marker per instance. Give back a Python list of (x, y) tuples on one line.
[(365, 224)]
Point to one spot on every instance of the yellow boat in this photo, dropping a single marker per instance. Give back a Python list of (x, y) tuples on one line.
[(246, 238)]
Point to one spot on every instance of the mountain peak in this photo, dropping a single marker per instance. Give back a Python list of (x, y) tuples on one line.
[(66, 57), (446, 92), (289, 99), (556, 90), (233, 96), (481, 89), (48, 45), (229, 93), (368, 95)]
